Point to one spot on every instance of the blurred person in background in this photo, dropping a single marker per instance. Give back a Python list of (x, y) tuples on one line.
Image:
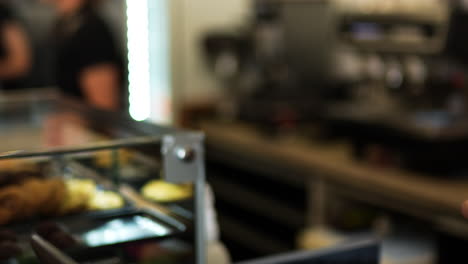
[(15, 54), (88, 64)]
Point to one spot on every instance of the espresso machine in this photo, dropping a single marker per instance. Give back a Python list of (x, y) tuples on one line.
[(260, 65), (404, 89), (383, 74), (293, 57)]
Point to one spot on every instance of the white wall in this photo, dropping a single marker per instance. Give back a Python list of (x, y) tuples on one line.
[(192, 81)]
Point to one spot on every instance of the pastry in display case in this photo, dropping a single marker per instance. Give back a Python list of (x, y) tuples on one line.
[(27, 194), (161, 191), (30, 198)]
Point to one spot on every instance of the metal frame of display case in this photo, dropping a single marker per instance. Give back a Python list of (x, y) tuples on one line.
[(184, 162), (182, 157)]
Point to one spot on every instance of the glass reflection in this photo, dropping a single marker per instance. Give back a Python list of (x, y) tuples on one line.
[(123, 230)]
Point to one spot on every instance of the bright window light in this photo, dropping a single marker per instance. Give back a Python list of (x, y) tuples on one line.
[(138, 59), (149, 60), (159, 39)]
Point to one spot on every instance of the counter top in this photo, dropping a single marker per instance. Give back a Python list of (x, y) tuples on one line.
[(431, 198)]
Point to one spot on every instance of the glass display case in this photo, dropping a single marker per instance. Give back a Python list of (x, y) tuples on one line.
[(93, 183)]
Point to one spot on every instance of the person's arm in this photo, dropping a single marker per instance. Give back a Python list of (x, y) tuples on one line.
[(100, 84), (17, 54)]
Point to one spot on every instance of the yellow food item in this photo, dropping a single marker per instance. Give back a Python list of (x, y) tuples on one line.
[(105, 200), (161, 191), (82, 194), (79, 193)]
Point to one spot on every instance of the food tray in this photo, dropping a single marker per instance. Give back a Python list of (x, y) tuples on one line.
[(99, 232)]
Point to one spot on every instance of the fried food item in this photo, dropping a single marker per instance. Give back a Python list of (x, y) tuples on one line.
[(56, 194), (161, 191), (36, 193), (105, 200), (53, 197), (32, 197), (12, 203)]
